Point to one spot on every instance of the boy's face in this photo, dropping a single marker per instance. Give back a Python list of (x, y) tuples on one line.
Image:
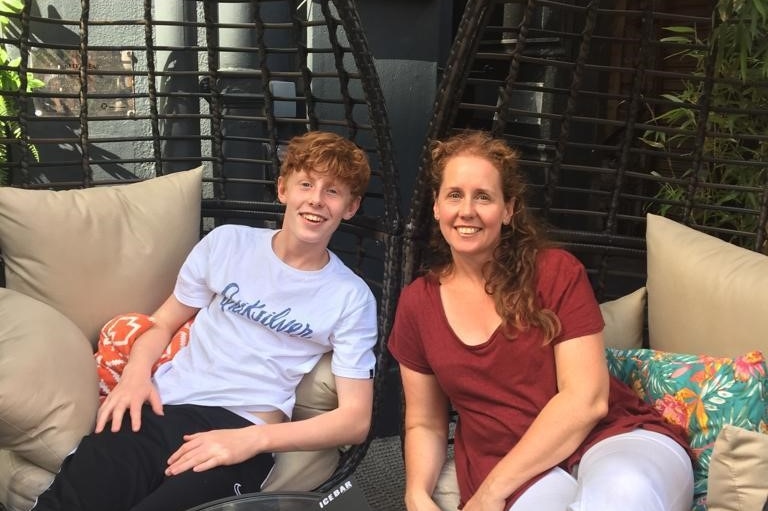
[(315, 205)]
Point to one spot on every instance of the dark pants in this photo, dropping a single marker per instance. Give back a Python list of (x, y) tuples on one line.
[(124, 471)]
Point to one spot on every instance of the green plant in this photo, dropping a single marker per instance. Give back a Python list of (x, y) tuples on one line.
[(734, 153), (10, 85)]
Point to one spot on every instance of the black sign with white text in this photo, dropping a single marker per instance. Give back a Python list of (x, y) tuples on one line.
[(347, 496)]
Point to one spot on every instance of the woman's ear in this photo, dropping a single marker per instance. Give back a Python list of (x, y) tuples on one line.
[(509, 212)]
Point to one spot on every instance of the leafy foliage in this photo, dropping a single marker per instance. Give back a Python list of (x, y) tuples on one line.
[(731, 174), (741, 37), (10, 85)]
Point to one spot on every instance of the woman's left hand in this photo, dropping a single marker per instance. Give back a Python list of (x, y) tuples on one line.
[(484, 501), (203, 451)]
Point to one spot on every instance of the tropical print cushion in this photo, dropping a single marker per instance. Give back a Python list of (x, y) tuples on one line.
[(700, 393)]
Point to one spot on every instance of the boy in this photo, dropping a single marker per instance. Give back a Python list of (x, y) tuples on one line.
[(267, 304)]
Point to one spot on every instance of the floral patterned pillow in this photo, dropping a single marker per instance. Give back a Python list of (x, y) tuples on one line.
[(700, 393)]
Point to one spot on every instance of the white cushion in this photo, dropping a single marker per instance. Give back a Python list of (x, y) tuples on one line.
[(48, 395), (446, 494), (737, 471), (624, 319), (98, 252), (306, 470), (705, 296)]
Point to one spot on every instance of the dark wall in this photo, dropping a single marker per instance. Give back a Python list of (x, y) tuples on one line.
[(409, 40)]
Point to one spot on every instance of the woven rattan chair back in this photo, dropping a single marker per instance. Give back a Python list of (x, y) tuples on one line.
[(613, 119)]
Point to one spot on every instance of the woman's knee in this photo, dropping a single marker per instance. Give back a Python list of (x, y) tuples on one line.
[(639, 470), (626, 484)]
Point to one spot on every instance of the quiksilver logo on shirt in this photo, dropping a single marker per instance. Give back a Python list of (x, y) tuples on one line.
[(278, 321)]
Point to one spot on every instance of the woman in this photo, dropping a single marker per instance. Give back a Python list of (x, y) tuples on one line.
[(507, 329)]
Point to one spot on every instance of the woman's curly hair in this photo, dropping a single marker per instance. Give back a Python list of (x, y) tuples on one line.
[(510, 277)]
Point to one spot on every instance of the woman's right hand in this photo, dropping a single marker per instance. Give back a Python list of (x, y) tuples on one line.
[(130, 394), (420, 502)]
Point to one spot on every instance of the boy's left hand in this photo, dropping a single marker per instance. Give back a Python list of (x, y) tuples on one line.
[(203, 451)]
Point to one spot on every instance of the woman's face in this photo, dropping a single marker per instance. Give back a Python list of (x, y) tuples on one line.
[(470, 206)]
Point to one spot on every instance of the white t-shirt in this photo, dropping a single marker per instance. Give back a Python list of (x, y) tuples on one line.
[(263, 324)]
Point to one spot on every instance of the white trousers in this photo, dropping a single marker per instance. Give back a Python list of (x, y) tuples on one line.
[(636, 471)]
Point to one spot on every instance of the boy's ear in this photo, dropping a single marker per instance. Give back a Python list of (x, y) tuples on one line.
[(354, 205), (281, 189)]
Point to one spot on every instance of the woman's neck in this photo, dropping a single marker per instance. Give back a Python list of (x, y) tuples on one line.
[(467, 271)]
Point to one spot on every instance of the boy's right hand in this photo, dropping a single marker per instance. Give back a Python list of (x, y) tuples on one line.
[(129, 394), (135, 386)]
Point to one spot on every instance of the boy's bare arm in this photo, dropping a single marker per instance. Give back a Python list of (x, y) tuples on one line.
[(349, 423), (135, 387)]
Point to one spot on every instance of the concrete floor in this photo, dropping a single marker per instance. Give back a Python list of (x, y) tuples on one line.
[(381, 475)]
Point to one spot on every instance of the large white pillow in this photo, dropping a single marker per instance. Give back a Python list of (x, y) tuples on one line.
[(48, 395), (705, 295), (98, 252)]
